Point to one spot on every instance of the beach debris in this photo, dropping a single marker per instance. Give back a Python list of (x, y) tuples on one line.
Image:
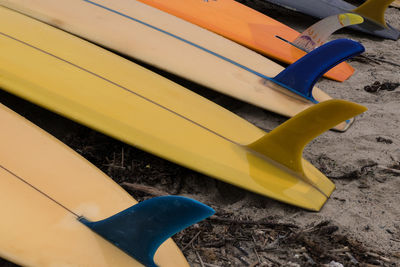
[(378, 86), (335, 264)]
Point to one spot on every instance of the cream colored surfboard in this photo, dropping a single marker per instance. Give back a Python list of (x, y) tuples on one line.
[(44, 186), (169, 43)]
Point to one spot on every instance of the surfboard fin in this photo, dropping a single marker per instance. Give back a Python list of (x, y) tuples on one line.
[(319, 33), (374, 10), (142, 228), (285, 143), (305, 72)]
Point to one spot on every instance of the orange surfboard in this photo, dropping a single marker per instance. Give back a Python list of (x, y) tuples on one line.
[(245, 26)]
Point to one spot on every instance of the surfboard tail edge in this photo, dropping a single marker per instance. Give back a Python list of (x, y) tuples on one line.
[(340, 73)]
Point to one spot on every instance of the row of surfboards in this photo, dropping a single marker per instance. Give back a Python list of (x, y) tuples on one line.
[(53, 201)]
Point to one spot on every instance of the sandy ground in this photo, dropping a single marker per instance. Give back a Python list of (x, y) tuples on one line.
[(358, 226)]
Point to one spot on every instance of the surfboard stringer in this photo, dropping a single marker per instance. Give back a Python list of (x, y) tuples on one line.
[(144, 112)]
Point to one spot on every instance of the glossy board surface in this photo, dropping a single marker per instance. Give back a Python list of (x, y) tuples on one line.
[(245, 26), (169, 43), (110, 94)]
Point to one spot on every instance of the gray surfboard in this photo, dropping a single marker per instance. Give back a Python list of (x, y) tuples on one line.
[(325, 8)]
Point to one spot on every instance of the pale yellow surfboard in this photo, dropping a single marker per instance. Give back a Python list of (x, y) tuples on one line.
[(36, 231), (117, 97), (145, 33)]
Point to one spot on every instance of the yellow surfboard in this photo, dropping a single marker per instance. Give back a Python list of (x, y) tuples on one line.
[(108, 93), (169, 43), (45, 188)]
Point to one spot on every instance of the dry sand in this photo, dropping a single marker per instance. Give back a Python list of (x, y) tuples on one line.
[(359, 225)]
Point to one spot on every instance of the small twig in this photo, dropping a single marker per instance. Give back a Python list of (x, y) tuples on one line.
[(241, 249), (368, 166), (271, 260), (258, 256), (254, 239), (339, 250), (264, 223), (112, 165), (299, 250), (352, 259), (254, 264), (200, 260), (244, 261), (122, 157), (255, 250), (265, 242), (272, 246), (191, 241), (208, 264), (145, 189), (374, 255), (219, 243), (387, 62), (364, 59), (389, 169), (376, 60), (309, 259)]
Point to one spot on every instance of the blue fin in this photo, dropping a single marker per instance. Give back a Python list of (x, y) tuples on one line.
[(142, 228), (305, 72)]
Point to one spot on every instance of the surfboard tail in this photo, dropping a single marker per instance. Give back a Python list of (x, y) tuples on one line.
[(285, 144), (142, 228), (319, 33), (302, 75), (374, 10)]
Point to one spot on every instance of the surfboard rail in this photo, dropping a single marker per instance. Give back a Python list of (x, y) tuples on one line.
[(56, 208), (119, 98), (215, 62), (246, 26)]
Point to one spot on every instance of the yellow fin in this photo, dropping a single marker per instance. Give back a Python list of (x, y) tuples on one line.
[(350, 19), (285, 143), (374, 10)]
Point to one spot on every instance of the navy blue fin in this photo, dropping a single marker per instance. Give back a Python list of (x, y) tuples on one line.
[(142, 228), (305, 72)]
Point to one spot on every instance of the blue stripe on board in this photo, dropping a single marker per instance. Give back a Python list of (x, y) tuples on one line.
[(201, 48)]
